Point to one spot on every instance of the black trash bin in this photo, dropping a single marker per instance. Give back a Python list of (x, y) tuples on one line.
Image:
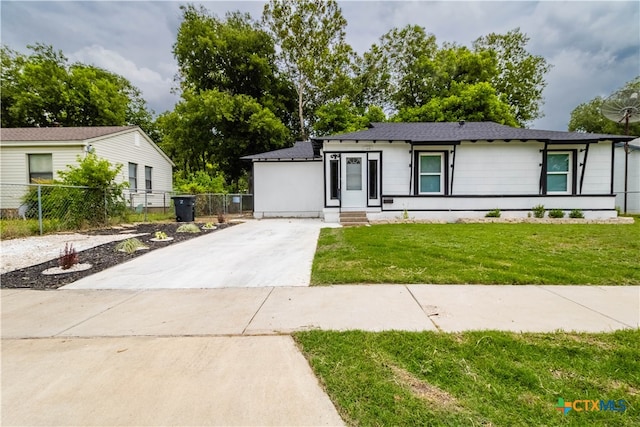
[(185, 208)]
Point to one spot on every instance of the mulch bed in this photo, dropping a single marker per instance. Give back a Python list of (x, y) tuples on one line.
[(100, 257)]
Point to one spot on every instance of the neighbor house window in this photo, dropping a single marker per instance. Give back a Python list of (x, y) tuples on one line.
[(133, 176), (334, 176), (430, 176), (559, 173), (147, 178), (40, 167), (373, 179)]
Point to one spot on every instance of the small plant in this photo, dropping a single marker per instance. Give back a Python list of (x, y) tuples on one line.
[(188, 228), (209, 226), (556, 213), (161, 235), (68, 257), (538, 211), (221, 218), (405, 215), (576, 213), (130, 245), (495, 213)]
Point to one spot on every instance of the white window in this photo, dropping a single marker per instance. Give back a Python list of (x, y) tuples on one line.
[(133, 176), (430, 173), (40, 167), (559, 179)]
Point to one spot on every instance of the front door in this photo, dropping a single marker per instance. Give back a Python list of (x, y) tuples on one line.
[(354, 188)]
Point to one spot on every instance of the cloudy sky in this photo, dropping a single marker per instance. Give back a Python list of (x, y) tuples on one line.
[(594, 47)]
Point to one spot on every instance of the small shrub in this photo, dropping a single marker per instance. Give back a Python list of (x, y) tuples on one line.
[(538, 211), (221, 218), (495, 213), (576, 213), (556, 213), (188, 228), (161, 235), (130, 245), (68, 257), (209, 226)]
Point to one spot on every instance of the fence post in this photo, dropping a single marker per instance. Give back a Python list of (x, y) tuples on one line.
[(40, 208), (241, 197)]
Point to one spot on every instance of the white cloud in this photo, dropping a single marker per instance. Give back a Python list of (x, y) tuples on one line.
[(153, 85)]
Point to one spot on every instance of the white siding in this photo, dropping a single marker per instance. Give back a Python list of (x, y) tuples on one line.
[(497, 168), (597, 175), (15, 169), (633, 185), (122, 149), (288, 189)]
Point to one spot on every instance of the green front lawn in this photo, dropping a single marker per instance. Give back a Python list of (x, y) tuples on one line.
[(562, 254), (481, 378)]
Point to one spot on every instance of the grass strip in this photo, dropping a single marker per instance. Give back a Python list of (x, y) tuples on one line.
[(562, 254), (476, 378)]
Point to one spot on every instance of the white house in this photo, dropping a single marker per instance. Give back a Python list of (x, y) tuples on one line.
[(627, 176), (442, 171), (28, 154)]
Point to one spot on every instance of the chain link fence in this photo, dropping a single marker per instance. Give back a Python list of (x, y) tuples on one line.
[(60, 207)]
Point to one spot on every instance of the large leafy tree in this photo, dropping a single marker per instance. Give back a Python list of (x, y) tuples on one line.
[(520, 79), (342, 116), (43, 89), (234, 100), (474, 102), (233, 55), (211, 130), (410, 75), (313, 52), (587, 117)]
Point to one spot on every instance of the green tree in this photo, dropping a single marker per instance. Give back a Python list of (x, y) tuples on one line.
[(217, 128), (473, 102), (520, 81), (343, 116), (43, 89), (313, 52), (232, 55), (399, 68), (587, 117)]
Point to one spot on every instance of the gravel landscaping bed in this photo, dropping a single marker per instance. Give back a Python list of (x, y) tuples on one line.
[(100, 257)]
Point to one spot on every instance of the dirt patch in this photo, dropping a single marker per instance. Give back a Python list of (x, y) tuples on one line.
[(423, 390), (101, 257)]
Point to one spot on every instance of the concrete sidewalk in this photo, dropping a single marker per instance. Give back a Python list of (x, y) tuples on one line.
[(282, 310), (222, 356)]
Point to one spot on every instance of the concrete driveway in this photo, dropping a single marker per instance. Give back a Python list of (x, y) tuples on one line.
[(256, 253)]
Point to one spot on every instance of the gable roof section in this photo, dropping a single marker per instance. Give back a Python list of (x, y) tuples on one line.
[(302, 150), (448, 132), (60, 133)]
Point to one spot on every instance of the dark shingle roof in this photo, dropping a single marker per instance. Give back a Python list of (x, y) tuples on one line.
[(302, 150), (59, 133), (469, 131)]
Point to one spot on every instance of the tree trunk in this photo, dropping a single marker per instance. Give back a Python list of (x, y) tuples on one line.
[(303, 134)]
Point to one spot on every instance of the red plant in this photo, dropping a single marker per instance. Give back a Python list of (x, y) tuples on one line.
[(68, 257)]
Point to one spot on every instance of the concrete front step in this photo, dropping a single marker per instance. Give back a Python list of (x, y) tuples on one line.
[(353, 218)]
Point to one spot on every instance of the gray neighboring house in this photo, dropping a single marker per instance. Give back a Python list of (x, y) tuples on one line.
[(627, 168), (29, 154), (438, 171)]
